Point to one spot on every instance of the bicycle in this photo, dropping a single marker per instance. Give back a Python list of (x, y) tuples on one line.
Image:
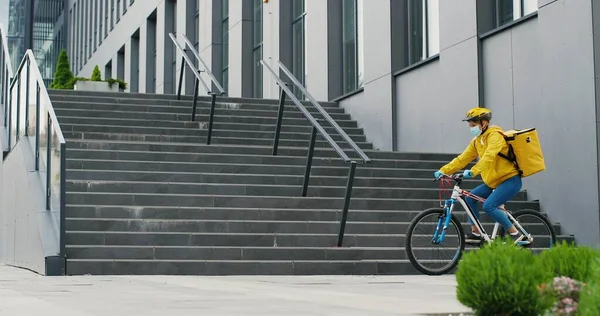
[(446, 217)]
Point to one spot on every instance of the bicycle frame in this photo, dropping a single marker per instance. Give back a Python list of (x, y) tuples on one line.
[(458, 195)]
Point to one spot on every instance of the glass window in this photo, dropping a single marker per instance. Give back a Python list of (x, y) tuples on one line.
[(112, 14), (510, 10), (225, 45), (197, 30), (174, 61), (352, 50), (423, 30), (118, 10), (100, 19), (257, 80), (95, 17), (299, 44), (106, 12)]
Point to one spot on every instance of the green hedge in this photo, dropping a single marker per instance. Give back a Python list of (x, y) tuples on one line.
[(502, 279)]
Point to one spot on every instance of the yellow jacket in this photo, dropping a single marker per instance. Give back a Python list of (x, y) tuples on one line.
[(493, 169)]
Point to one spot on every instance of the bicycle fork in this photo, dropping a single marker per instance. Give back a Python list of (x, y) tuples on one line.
[(443, 222)]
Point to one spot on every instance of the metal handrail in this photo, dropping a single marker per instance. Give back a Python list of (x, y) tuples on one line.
[(206, 68), (331, 121), (316, 127), (196, 72), (31, 68), (307, 114)]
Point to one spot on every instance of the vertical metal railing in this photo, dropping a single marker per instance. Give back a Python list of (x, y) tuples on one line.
[(316, 128), (30, 115), (196, 71)]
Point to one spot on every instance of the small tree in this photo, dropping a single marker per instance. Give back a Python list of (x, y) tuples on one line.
[(96, 75), (63, 77)]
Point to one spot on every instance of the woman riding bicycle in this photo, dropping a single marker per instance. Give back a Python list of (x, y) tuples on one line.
[(501, 178)]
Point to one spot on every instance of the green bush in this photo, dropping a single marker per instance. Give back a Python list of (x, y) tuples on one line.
[(63, 77), (96, 75), (122, 84), (569, 260), (589, 304), (502, 279)]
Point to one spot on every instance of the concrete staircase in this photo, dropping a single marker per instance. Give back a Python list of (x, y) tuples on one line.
[(146, 196)]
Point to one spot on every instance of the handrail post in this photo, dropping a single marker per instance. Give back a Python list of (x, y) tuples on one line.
[(7, 102), (197, 82), (18, 123), (48, 161), (37, 126), (282, 96), (213, 99), (27, 98), (63, 203), (9, 117), (349, 185), (309, 159), (181, 77)]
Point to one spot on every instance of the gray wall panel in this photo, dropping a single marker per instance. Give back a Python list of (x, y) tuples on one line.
[(498, 81), (377, 40), (458, 21), (432, 100), (571, 187), (27, 232)]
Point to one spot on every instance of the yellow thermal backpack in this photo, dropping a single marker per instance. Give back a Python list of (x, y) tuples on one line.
[(524, 151)]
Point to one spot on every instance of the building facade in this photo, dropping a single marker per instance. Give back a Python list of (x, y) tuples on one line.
[(38, 25), (407, 70)]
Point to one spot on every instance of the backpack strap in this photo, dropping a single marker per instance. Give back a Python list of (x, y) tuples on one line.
[(511, 154)]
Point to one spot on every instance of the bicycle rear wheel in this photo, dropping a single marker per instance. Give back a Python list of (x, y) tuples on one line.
[(427, 256), (538, 226)]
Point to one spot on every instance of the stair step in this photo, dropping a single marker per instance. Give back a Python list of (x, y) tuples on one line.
[(238, 267), (240, 178), (171, 106), (191, 157), (236, 149), (200, 113), (115, 97), (295, 240), (295, 202), (216, 139), (167, 132), (210, 167), (183, 121), (231, 253), (256, 226), (252, 189)]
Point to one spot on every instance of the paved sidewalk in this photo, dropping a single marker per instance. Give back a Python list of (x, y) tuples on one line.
[(26, 293)]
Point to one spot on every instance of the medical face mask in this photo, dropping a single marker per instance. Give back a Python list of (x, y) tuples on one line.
[(475, 130)]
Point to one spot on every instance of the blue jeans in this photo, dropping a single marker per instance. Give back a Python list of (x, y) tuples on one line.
[(504, 192)]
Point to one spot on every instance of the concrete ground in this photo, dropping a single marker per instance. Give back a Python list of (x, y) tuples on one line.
[(26, 293)]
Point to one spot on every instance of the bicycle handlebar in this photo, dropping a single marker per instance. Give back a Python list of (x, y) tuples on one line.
[(456, 177)]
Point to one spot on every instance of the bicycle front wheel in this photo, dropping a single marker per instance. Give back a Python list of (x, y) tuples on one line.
[(429, 253)]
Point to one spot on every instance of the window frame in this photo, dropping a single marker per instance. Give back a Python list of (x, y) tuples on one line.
[(299, 18), (257, 48), (353, 77), (225, 45)]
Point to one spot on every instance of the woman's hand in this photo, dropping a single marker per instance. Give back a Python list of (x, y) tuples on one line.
[(467, 174)]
